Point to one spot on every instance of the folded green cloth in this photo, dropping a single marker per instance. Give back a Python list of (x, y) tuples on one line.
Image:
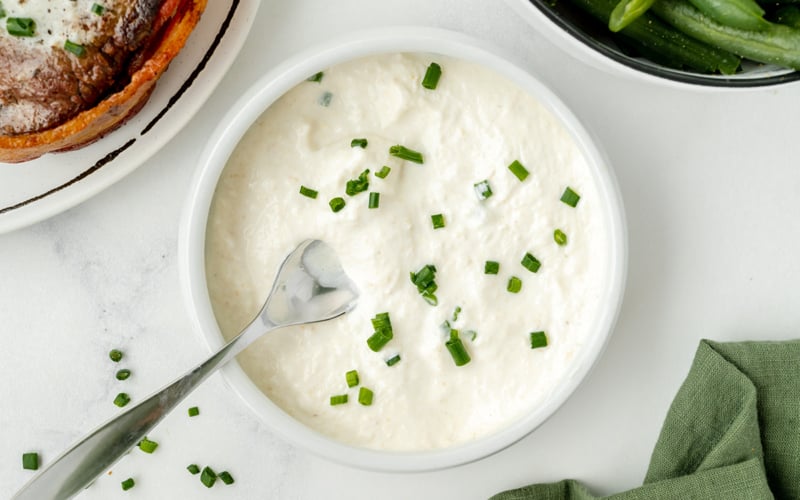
[(732, 432)]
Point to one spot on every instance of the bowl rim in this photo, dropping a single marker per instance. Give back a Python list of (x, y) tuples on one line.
[(587, 48), (191, 245)]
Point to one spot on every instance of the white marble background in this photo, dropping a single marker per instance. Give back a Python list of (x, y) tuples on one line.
[(711, 183)]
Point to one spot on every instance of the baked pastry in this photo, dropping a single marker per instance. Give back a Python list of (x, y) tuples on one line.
[(73, 70)]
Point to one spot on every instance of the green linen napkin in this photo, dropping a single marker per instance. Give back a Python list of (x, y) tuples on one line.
[(732, 432)]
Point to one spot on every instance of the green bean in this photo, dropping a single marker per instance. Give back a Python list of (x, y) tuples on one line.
[(626, 12), (776, 44), (744, 14), (653, 36)]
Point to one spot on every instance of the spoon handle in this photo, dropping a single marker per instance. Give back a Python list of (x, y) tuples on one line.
[(74, 469)]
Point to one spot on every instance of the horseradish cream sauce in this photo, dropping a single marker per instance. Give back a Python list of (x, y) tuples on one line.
[(469, 129)]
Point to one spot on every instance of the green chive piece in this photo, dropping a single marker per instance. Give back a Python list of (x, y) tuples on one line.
[(359, 143), (426, 286), (338, 400), (472, 334), (531, 263), (374, 200), (308, 192), (538, 339), (208, 477), (491, 267), (456, 312), (560, 237), (365, 396), (128, 484), (404, 153), (226, 477), (123, 374), (337, 204), (359, 185), (352, 378), (383, 332), (115, 355), (432, 75), (393, 360), (75, 48), (20, 26), (194, 411), (316, 77), (483, 190), (514, 285), (570, 197), (122, 399), (147, 446), (438, 221), (30, 461), (518, 170), (383, 172), (457, 350), (2, 11), (193, 469), (325, 99), (98, 9)]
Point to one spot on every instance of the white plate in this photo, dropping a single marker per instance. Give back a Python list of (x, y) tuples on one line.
[(38, 189)]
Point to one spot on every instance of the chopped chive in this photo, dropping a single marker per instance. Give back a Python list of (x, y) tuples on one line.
[(193, 469), (404, 153), (531, 263), (570, 197), (538, 339), (98, 9), (457, 350), (483, 190), (472, 335), (432, 75), (438, 221), (426, 286), (226, 477), (2, 11), (194, 411), (360, 143), (30, 461), (358, 185), (208, 477), (383, 172), (147, 446), (382, 324), (122, 399), (491, 267), (20, 26), (352, 378), (75, 48), (308, 192), (456, 312), (127, 484), (518, 170), (337, 204), (115, 355), (560, 237), (393, 360), (374, 200), (338, 400), (365, 396), (325, 99), (123, 374), (514, 285), (316, 77)]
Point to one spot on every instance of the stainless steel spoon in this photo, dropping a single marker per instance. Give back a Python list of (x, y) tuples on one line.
[(311, 286)]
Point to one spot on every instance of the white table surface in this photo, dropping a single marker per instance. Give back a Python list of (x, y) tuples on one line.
[(711, 184)]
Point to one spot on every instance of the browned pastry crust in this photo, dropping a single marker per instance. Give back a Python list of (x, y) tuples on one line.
[(137, 55)]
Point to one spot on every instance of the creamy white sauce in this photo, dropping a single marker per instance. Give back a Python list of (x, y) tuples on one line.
[(57, 20), (469, 129)]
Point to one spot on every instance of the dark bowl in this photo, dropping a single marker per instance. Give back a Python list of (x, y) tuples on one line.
[(589, 40)]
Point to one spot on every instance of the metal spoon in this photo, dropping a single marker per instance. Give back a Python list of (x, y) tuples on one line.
[(311, 286)]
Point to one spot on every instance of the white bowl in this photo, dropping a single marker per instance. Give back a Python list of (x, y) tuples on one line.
[(234, 125)]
